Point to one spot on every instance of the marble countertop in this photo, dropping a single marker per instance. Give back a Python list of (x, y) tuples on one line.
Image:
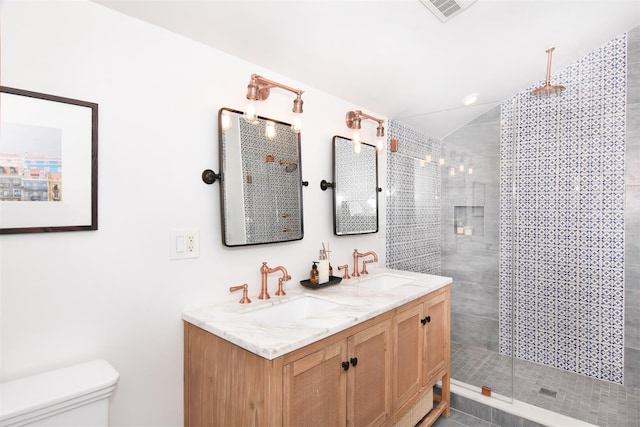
[(356, 303)]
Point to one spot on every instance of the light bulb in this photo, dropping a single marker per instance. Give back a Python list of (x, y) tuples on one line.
[(226, 120), (380, 143), (441, 161), (270, 129), (421, 163), (297, 122), (427, 158), (470, 170), (452, 171), (356, 137), (250, 112), (357, 146), (461, 167)]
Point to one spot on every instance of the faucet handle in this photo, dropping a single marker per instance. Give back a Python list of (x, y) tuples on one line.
[(280, 292), (364, 266), (245, 297), (346, 271)]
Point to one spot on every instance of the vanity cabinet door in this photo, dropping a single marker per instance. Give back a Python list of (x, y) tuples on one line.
[(437, 342), (368, 385), (315, 388), (408, 354)]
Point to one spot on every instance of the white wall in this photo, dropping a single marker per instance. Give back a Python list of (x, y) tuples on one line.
[(113, 293)]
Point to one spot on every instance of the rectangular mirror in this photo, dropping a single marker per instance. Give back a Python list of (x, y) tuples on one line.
[(355, 192), (261, 195)]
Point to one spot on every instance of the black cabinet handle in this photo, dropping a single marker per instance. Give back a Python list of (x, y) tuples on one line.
[(426, 320), (345, 366), (354, 361)]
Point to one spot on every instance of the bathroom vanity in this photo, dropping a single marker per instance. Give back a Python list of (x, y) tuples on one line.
[(366, 352)]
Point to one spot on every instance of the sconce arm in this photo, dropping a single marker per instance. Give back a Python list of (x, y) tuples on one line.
[(367, 116), (353, 119), (264, 83)]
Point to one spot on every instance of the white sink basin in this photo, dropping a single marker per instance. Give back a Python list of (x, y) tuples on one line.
[(292, 310), (384, 282)]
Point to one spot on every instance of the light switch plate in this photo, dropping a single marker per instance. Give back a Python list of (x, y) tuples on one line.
[(184, 243)]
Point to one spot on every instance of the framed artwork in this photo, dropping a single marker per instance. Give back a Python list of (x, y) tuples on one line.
[(48, 163)]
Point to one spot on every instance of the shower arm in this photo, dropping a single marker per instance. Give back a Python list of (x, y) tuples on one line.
[(549, 52)]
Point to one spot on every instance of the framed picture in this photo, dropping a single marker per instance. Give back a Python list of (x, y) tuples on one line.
[(48, 163)]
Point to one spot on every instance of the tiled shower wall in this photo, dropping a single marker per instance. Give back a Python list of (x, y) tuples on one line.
[(270, 181), (413, 201), (475, 311), (357, 190), (562, 228)]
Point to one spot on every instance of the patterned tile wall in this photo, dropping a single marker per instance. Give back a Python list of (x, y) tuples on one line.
[(413, 201), (565, 157), (274, 213), (356, 192)]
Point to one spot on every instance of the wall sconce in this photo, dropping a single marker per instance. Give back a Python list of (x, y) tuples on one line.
[(354, 120), (270, 129), (259, 89)]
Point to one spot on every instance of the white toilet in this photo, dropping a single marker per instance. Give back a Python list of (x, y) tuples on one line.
[(73, 396)]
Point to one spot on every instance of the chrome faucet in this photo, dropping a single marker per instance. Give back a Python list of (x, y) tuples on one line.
[(264, 272), (357, 255)]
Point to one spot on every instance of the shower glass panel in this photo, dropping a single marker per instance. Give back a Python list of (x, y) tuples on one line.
[(473, 228), (532, 231)]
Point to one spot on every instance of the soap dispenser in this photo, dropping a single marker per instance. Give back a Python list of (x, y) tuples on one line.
[(323, 268), (313, 275)]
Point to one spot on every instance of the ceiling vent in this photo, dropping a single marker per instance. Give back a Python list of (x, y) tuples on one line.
[(446, 9)]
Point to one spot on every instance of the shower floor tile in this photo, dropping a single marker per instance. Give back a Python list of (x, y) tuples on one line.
[(595, 401)]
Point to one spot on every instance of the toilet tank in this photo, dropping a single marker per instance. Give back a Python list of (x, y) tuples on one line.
[(74, 396)]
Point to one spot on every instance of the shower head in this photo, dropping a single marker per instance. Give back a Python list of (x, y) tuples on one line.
[(548, 89), (291, 167), (288, 166)]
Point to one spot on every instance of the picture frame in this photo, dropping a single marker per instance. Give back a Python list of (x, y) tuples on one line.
[(48, 163)]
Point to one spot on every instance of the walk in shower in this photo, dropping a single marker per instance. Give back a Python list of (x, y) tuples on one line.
[(532, 209)]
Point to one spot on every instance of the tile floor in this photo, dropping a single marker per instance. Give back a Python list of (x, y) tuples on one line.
[(460, 419), (597, 402)]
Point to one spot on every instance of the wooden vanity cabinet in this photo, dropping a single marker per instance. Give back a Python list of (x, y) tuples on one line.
[(345, 383), (315, 388), (437, 349), (421, 352), (368, 375), (226, 385)]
